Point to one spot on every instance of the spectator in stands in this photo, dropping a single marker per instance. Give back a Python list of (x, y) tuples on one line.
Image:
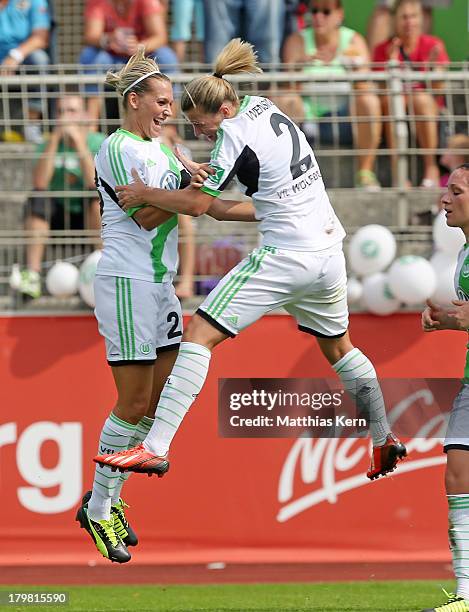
[(183, 13), (260, 22), (65, 163), (24, 38), (328, 47), (380, 24), (114, 29), (420, 52), (456, 154)]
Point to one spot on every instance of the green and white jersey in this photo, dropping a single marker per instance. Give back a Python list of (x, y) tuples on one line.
[(461, 286), (130, 251), (275, 165)]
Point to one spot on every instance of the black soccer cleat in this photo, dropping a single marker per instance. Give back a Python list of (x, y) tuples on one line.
[(121, 524), (102, 533)]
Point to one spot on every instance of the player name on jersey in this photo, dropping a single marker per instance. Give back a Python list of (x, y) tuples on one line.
[(257, 110)]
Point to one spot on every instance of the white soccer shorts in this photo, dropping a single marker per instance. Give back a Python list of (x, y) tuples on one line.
[(457, 434), (138, 319), (311, 286)]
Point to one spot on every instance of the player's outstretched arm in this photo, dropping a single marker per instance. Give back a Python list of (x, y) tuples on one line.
[(230, 210), (187, 201), (223, 210)]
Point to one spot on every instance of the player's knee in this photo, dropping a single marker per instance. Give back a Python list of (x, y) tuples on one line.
[(192, 331), (201, 332), (134, 409)]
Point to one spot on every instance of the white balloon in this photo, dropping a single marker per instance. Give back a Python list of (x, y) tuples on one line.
[(444, 292), (371, 249), (62, 279), (377, 297), (441, 260), (86, 280), (444, 265), (447, 239), (354, 290), (412, 279)]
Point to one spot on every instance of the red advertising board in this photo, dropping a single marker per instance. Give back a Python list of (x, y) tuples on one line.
[(258, 498)]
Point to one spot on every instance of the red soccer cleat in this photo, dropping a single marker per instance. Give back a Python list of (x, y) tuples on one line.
[(136, 459), (384, 458)]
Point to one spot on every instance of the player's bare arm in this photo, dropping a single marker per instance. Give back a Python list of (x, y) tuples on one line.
[(223, 210), (187, 201), (231, 210), (460, 314), (436, 317), (150, 217)]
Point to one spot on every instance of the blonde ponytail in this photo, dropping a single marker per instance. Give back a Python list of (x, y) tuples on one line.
[(207, 93)]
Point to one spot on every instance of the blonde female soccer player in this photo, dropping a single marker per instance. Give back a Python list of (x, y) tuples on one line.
[(300, 265), (138, 312)]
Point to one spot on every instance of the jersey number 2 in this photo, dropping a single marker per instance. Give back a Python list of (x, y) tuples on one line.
[(297, 166), (173, 318)]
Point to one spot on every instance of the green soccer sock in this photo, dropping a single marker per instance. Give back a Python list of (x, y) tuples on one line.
[(115, 437)]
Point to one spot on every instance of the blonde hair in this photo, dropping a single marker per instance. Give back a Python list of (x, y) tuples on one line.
[(208, 93), (136, 68)]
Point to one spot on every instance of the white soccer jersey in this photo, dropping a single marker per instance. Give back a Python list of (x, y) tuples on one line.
[(273, 161), (130, 251)]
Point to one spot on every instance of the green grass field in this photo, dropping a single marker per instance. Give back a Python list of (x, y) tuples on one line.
[(330, 597)]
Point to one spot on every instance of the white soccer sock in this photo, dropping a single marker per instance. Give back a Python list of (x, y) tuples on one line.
[(458, 533), (115, 437), (141, 432), (359, 379), (179, 393)]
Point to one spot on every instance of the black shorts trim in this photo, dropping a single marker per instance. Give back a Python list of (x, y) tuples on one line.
[(308, 330), (123, 362), (214, 323), (448, 447), (168, 347)]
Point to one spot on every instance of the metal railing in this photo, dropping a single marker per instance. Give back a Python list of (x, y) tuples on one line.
[(338, 163)]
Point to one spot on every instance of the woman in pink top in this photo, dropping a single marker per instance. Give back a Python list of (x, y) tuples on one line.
[(113, 31), (417, 50)]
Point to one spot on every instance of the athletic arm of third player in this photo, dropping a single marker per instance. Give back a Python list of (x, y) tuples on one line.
[(439, 318)]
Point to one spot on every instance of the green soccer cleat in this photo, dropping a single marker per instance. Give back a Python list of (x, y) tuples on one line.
[(121, 524), (103, 535), (454, 604)]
